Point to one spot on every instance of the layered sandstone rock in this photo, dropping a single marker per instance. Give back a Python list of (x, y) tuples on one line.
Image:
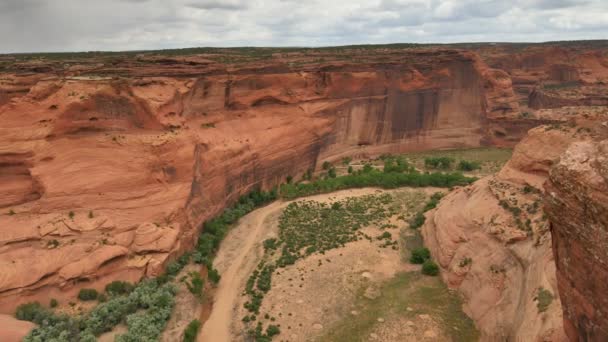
[(576, 202), (107, 177), (493, 242)]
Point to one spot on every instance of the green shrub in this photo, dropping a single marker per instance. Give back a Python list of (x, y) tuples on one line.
[(545, 298), (331, 173), (191, 331), (118, 287), (289, 179), (420, 255), (369, 177), (350, 169), (30, 312), (346, 160), (53, 303), (417, 221), (385, 236), (87, 294), (465, 165), (71, 215), (396, 165), (443, 163), (272, 330), (430, 268), (91, 214), (196, 284), (214, 276), (270, 244), (326, 165)]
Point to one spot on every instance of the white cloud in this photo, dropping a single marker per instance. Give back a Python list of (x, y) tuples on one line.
[(68, 25)]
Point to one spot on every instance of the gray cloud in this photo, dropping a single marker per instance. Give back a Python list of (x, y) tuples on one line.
[(218, 4), (68, 25)]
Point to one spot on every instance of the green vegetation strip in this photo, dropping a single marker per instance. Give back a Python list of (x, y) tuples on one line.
[(392, 177)]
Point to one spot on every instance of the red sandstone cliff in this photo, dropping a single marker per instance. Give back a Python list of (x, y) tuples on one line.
[(107, 177), (576, 202), (493, 242)]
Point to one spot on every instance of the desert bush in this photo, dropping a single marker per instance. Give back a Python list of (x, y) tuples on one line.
[(87, 294), (32, 312), (465, 165), (370, 177), (430, 268), (417, 221), (331, 173), (192, 331), (118, 287), (544, 299), (196, 284), (53, 303), (214, 276), (443, 163), (326, 165), (420, 255)]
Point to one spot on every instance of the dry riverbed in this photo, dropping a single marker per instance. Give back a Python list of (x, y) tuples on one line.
[(363, 291)]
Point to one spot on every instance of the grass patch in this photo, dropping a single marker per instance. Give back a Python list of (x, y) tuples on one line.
[(425, 295), (484, 160)]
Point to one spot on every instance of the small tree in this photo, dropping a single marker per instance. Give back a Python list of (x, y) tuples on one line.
[(192, 331), (214, 276), (331, 172), (417, 221), (326, 165), (420, 255), (430, 268), (87, 294), (196, 284)]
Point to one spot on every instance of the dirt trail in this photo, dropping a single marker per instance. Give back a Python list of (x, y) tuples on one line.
[(217, 328), (238, 256)]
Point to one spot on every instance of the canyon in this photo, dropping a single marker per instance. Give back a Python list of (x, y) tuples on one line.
[(110, 163)]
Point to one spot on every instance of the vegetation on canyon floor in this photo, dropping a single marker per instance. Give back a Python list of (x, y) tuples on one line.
[(407, 296), (305, 228), (146, 307), (397, 173), (145, 310)]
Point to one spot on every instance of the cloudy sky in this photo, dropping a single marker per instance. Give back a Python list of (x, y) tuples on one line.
[(80, 25)]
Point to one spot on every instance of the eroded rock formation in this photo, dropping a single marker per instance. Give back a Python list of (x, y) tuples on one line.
[(109, 165), (493, 242), (109, 178), (577, 205)]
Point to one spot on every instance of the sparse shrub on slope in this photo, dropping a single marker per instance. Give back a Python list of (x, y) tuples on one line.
[(430, 268)]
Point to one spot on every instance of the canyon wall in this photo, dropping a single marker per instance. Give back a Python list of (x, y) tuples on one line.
[(493, 242), (109, 177), (109, 167), (576, 202)]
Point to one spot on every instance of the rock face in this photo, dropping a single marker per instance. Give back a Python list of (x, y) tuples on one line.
[(109, 178), (109, 165), (576, 202), (494, 245)]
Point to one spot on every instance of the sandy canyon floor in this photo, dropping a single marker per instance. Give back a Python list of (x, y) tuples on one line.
[(362, 291)]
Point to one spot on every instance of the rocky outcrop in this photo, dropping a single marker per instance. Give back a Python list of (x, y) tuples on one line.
[(576, 202), (493, 242)]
